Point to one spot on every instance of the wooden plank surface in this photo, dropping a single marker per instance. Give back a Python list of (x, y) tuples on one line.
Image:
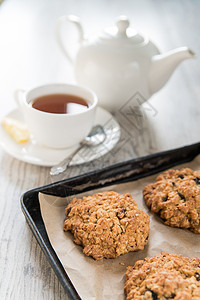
[(29, 56)]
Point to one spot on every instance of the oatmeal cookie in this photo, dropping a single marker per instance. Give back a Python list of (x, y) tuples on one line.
[(175, 197), (107, 224), (165, 276)]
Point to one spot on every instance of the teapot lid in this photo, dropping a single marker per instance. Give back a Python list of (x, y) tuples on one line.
[(122, 33)]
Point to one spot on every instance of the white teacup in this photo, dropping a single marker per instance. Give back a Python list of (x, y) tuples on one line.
[(57, 130)]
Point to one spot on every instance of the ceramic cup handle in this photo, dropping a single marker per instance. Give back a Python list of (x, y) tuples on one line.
[(76, 21), (18, 96)]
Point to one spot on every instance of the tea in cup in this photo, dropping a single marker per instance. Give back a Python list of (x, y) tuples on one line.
[(58, 115)]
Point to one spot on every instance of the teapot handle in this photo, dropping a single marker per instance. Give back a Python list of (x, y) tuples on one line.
[(76, 21)]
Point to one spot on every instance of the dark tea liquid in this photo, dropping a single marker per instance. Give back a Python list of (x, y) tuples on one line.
[(60, 104)]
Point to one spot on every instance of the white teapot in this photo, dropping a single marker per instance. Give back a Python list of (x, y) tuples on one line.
[(120, 63)]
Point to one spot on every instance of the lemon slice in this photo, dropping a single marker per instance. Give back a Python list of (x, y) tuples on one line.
[(16, 129)]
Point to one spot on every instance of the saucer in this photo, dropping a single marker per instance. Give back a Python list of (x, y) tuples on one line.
[(36, 154)]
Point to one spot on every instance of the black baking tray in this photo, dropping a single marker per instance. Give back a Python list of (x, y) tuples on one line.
[(115, 174)]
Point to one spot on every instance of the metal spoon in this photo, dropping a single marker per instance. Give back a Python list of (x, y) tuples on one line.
[(96, 137)]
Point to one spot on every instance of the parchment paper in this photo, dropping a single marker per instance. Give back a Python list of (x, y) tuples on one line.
[(104, 279)]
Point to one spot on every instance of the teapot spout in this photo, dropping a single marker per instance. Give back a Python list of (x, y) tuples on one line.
[(163, 65)]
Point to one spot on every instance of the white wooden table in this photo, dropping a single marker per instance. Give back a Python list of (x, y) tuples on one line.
[(29, 56)]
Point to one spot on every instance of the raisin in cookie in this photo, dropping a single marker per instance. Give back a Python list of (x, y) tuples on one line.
[(176, 198), (165, 276), (107, 224)]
